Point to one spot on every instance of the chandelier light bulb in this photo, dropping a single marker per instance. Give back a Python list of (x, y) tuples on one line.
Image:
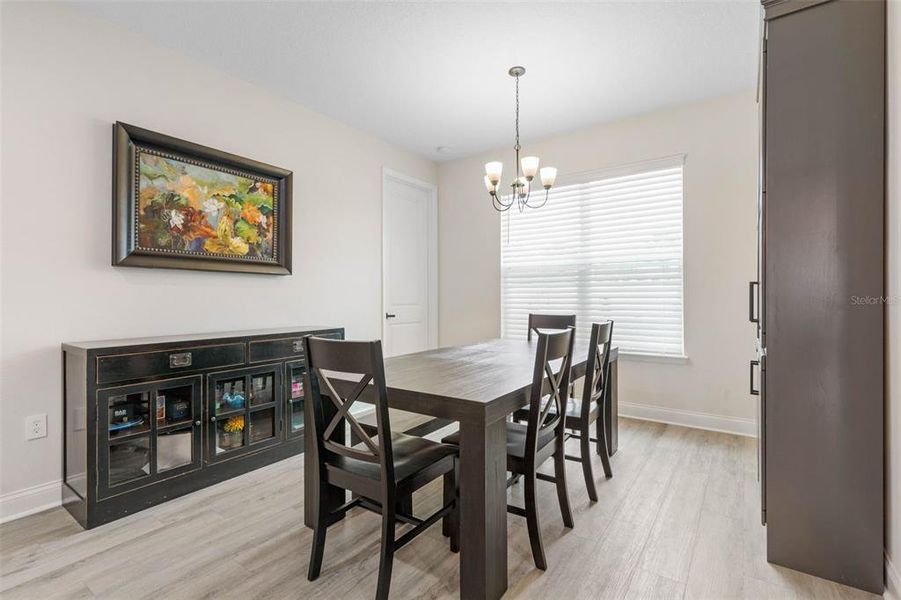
[(529, 166), (548, 176), (489, 185), (493, 171)]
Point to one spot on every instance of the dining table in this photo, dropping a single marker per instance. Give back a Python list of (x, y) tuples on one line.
[(478, 385)]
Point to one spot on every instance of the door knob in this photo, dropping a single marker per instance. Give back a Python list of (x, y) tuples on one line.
[(390, 315)]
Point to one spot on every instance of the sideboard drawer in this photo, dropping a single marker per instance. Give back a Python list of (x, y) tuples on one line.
[(282, 348), (124, 367), (263, 350)]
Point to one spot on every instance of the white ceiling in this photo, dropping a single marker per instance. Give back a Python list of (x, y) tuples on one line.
[(429, 74)]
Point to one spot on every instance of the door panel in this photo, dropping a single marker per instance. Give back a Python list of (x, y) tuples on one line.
[(407, 266), (824, 247)]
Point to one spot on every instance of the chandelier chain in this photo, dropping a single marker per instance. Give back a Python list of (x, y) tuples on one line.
[(517, 146)]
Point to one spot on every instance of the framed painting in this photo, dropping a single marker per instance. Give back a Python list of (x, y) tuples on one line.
[(180, 205)]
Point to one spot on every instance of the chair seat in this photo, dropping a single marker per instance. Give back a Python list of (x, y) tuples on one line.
[(573, 413), (412, 455), (516, 439)]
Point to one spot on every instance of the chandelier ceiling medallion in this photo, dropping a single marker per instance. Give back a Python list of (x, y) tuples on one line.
[(526, 169)]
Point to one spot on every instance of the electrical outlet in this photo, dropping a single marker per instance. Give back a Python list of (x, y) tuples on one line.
[(35, 427)]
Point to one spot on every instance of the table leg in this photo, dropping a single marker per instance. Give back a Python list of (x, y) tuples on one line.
[(611, 409), (483, 514)]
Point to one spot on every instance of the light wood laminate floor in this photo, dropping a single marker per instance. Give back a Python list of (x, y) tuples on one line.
[(679, 519)]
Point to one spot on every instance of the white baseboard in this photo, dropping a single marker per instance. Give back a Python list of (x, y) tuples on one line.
[(689, 418), (22, 503), (892, 580)]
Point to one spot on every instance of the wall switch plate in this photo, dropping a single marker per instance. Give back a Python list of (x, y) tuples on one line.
[(35, 427)]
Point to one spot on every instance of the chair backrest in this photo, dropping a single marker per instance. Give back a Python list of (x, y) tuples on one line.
[(537, 322), (331, 407), (546, 411), (597, 369)]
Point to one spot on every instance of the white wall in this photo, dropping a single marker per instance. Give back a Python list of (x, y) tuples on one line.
[(66, 78), (893, 309), (719, 138)]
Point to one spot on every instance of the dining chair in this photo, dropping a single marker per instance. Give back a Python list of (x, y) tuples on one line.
[(379, 469), (540, 439), (540, 321), (581, 413)]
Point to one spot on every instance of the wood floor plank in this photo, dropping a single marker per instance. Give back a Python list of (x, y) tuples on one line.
[(646, 585), (680, 518)]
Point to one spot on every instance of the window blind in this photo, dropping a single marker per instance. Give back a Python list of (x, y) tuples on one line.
[(605, 246)]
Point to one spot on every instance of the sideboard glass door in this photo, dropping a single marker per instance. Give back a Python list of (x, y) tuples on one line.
[(296, 395), (244, 410), (148, 432)]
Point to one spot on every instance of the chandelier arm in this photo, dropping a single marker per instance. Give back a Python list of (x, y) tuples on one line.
[(498, 205), (543, 202)]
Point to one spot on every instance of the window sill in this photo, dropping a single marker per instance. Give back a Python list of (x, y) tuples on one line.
[(654, 358)]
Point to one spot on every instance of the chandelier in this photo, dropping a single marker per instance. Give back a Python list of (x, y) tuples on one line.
[(526, 169)]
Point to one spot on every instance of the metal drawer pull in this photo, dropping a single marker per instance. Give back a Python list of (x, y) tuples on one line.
[(297, 346), (181, 359), (754, 363)]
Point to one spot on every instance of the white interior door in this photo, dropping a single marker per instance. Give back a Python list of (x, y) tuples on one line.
[(409, 264)]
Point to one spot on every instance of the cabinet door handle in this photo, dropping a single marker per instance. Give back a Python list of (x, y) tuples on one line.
[(390, 315), (197, 422), (180, 359), (751, 316), (213, 419), (754, 363)]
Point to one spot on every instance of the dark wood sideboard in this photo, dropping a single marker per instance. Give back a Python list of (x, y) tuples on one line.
[(151, 419)]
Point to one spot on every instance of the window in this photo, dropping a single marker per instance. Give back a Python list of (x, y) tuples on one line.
[(605, 246)]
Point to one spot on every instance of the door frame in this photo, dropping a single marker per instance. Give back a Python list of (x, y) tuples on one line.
[(432, 189)]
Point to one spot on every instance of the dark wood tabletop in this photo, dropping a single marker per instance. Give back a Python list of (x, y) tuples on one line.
[(477, 385)]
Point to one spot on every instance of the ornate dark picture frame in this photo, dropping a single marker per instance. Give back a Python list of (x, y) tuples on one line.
[(182, 224)]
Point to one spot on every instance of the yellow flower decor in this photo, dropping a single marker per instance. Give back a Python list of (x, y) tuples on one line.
[(225, 241), (234, 424)]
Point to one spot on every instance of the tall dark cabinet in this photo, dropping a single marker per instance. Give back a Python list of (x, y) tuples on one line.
[(819, 300), (151, 419)]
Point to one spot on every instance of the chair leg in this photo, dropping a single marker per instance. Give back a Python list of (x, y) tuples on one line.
[(449, 493), (405, 505), (318, 548), (601, 435), (560, 478), (532, 521), (455, 514), (585, 443), (386, 555)]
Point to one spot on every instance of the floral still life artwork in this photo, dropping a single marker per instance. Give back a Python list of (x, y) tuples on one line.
[(180, 205), (185, 207)]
